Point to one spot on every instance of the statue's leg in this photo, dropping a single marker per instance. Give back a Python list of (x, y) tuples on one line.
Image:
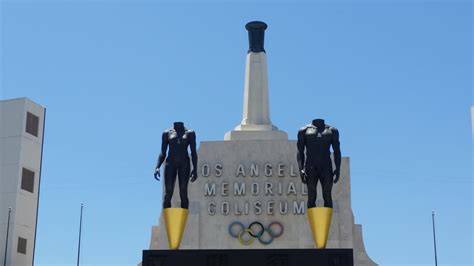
[(183, 179), (170, 180), (312, 183), (326, 184)]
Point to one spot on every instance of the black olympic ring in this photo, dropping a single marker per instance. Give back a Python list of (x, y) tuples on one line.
[(258, 235)]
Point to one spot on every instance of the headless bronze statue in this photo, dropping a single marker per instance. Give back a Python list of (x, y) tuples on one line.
[(177, 140), (316, 165)]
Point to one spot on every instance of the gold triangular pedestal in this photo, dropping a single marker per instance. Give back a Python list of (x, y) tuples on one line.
[(175, 220), (320, 222)]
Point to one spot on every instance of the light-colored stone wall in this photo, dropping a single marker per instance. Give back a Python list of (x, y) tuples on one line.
[(210, 231), (256, 123), (256, 109)]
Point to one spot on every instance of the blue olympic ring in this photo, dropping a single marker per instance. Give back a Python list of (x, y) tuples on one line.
[(269, 230)]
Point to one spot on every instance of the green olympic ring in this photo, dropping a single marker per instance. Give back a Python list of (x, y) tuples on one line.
[(261, 235)]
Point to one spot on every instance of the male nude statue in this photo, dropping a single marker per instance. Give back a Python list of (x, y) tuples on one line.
[(316, 138), (177, 139)]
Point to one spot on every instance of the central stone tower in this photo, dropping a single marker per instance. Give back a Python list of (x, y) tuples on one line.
[(256, 123)]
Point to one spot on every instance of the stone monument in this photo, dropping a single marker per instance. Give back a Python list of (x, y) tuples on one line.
[(249, 194)]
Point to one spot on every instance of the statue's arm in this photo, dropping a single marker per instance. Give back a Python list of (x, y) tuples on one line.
[(164, 147), (194, 157), (336, 147), (300, 156)]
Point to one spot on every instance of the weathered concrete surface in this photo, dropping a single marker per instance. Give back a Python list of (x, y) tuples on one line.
[(205, 231), (256, 122)]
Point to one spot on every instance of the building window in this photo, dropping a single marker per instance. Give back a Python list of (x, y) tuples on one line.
[(21, 245), (28, 180), (32, 124)]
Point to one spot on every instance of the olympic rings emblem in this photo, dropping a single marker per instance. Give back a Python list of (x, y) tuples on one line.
[(255, 230)]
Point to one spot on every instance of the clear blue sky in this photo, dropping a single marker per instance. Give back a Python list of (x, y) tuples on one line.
[(395, 77)]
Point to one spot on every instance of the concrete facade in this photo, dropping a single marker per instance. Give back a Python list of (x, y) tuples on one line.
[(20, 171), (256, 122)]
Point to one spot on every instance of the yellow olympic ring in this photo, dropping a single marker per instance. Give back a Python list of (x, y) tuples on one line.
[(243, 242)]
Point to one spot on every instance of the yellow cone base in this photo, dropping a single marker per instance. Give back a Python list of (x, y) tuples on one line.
[(175, 220), (320, 222)]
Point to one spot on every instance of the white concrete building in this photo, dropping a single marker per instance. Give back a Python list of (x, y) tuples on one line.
[(21, 144)]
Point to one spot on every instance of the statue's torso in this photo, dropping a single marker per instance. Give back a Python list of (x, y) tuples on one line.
[(318, 145), (178, 145)]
